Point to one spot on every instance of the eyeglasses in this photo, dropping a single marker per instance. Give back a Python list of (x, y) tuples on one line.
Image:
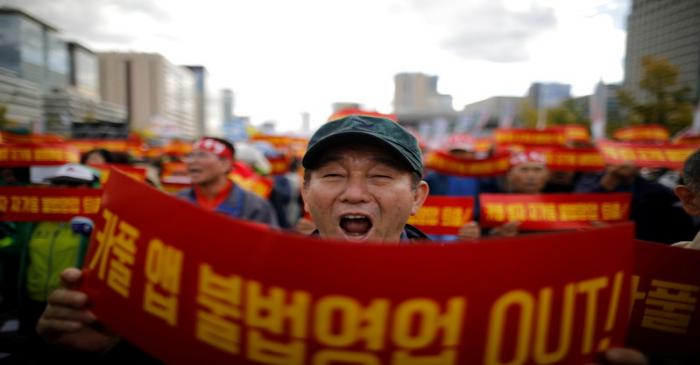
[(198, 155)]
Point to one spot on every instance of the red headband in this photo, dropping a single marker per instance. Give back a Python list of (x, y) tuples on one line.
[(213, 146), (525, 157)]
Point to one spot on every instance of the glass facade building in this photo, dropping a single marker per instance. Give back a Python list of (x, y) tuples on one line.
[(664, 28)]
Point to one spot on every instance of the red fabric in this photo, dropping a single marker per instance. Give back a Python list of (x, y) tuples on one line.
[(213, 146), (149, 277), (526, 157), (211, 204)]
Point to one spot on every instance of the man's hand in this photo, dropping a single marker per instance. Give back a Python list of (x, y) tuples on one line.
[(469, 231), (67, 321), (509, 229), (616, 175), (305, 226), (621, 356)]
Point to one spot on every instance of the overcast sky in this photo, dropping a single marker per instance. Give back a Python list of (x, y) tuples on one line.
[(283, 57)]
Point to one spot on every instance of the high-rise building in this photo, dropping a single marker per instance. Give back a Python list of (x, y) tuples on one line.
[(236, 128), (227, 104), (77, 109), (494, 108), (201, 95), (57, 86), (22, 101), (32, 49), (665, 28), (305, 123), (84, 71), (417, 93), (543, 96), (338, 106), (158, 95)]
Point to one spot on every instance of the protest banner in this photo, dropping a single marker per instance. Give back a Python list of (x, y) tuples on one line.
[(28, 204), (196, 287), (670, 156), (553, 211), (665, 317), (30, 154), (642, 133), (445, 163), (443, 214)]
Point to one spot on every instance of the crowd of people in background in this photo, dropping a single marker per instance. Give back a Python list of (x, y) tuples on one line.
[(659, 214)]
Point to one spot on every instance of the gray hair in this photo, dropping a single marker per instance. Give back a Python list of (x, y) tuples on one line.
[(691, 172)]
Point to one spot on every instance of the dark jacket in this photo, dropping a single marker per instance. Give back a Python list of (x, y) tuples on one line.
[(656, 211)]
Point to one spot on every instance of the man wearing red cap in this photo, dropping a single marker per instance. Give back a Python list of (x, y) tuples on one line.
[(208, 166), (528, 175)]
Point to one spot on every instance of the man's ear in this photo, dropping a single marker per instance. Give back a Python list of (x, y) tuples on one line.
[(419, 196), (688, 199), (304, 185)]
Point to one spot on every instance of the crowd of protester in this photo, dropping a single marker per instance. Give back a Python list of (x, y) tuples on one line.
[(27, 281)]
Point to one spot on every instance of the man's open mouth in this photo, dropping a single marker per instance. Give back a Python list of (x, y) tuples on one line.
[(355, 225)]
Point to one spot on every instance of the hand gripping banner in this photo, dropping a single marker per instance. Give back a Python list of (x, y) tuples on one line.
[(189, 286)]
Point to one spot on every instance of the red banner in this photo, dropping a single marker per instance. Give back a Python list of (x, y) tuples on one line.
[(136, 173), (7, 137), (133, 147), (687, 138), (223, 291), (467, 142), (279, 165), (575, 132), (443, 214), (19, 155), (530, 137), (254, 183), (354, 111), (445, 163), (552, 136), (642, 133), (174, 168), (29, 204), (646, 155), (177, 148), (665, 318), (572, 159), (553, 211), (258, 185), (280, 141), (558, 159)]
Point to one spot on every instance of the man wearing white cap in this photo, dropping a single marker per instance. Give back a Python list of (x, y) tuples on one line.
[(50, 247)]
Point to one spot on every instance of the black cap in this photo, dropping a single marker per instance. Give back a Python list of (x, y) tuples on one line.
[(377, 131)]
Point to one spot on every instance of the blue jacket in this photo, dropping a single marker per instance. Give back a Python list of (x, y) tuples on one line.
[(240, 204)]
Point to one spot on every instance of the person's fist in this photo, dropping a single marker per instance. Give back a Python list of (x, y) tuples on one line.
[(67, 322), (469, 231), (509, 229)]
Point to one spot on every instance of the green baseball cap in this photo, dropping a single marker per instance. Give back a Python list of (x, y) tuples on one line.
[(364, 129)]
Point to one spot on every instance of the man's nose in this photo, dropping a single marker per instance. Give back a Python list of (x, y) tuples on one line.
[(355, 191)]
